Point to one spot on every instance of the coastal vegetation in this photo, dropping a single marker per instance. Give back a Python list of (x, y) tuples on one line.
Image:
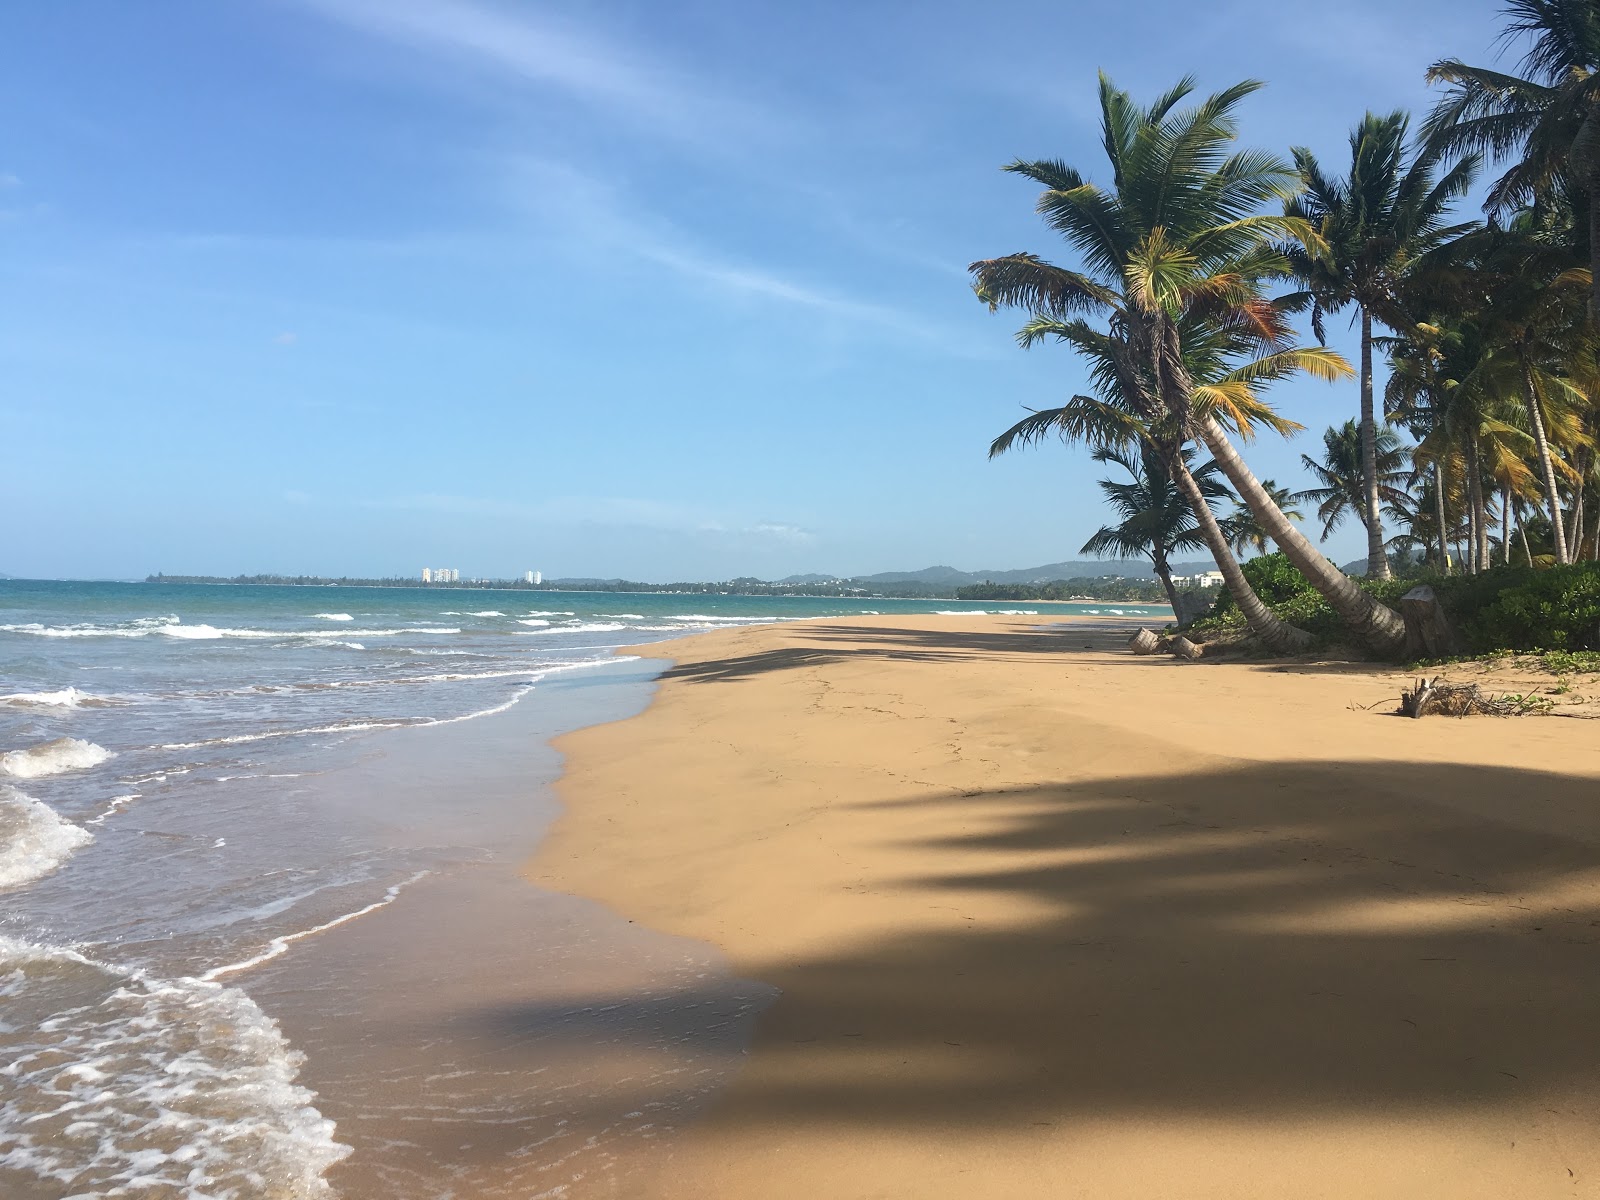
[(1193, 259)]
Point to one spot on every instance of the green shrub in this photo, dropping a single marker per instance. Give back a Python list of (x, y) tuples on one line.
[(1521, 608), (1506, 609)]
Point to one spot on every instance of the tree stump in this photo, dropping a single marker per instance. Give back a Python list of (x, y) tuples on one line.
[(1191, 607), (1144, 642), (1182, 647), (1429, 633)]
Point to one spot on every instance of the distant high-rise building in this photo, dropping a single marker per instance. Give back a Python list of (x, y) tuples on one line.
[(527, 577), (538, 578), (427, 575)]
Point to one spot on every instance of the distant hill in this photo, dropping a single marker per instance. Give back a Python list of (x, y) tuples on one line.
[(1074, 569)]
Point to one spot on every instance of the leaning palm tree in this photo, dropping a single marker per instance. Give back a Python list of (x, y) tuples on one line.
[(1545, 121), (1175, 256), (1245, 533), (1157, 521), (1375, 223), (1341, 489)]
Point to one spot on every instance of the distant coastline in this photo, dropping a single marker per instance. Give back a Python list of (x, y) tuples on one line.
[(1106, 589)]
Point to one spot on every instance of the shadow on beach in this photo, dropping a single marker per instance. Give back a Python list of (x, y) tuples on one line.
[(1318, 939)]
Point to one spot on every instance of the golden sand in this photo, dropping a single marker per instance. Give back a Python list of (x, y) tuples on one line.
[(1052, 921)]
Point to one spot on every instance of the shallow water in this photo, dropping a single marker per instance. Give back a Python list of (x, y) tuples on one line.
[(263, 933)]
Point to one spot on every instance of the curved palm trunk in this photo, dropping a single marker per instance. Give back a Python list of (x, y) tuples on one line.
[(1377, 560), (1552, 494), (1438, 513), (1377, 625), (1276, 635)]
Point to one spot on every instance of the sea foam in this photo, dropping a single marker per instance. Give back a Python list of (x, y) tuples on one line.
[(333, 616), (69, 697), (51, 758), (34, 840), (178, 1088)]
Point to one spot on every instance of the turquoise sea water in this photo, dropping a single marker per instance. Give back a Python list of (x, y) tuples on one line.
[(182, 801)]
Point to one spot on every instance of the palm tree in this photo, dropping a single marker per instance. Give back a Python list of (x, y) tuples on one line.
[(1547, 120), (1156, 519), (1245, 532), (1529, 304), (1375, 223), (1342, 491), (1175, 255)]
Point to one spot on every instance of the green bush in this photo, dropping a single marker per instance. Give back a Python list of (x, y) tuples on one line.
[(1508, 608), (1521, 608)]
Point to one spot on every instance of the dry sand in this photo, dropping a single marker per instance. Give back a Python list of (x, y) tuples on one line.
[(1052, 921)]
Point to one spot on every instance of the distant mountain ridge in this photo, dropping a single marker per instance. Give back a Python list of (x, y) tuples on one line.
[(1048, 573)]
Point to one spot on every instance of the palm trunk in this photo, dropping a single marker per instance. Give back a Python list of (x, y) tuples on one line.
[(1575, 538), (1505, 528), (1377, 625), (1276, 635), (1164, 573), (1480, 511), (1377, 559), (1438, 513), (1594, 245), (1522, 532), (1552, 494)]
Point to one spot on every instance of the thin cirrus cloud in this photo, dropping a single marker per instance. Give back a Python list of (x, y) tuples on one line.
[(528, 49), (590, 213)]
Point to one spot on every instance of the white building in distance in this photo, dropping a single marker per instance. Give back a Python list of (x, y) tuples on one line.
[(441, 575)]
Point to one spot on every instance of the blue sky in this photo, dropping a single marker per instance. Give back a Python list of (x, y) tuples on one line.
[(653, 290)]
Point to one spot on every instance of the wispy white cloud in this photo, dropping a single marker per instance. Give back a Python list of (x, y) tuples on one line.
[(594, 214), (528, 48)]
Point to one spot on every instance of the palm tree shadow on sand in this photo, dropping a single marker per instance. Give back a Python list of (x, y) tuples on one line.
[(1311, 940)]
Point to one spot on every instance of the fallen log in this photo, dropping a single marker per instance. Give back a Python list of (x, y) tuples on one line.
[(1144, 642)]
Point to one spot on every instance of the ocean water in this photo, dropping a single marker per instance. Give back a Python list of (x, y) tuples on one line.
[(205, 790)]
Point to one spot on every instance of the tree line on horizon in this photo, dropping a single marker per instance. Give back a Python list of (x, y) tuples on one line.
[(1194, 257)]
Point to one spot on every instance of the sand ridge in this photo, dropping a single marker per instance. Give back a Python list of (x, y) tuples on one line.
[(1051, 920)]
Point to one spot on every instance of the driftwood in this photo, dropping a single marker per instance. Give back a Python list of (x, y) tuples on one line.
[(1429, 633), (1144, 642), (1184, 648), (1435, 697)]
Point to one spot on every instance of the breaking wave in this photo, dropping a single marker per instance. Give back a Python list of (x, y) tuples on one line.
[(154, 1087), (52, 758), (34, 840)]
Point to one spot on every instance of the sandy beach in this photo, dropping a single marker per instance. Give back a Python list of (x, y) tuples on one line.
[(1050, 920)]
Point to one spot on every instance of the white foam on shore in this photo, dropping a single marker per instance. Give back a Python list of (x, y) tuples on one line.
[(68, 697), (34, 839), (986, 612), (582, 627), (211, 633), (121, 1084), (280, 945), (141, 627), (533, 674), (333, 616), (52, 758), (118, 803), (535, 621)]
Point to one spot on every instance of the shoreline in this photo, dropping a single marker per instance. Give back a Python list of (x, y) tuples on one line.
[(1047, 918)]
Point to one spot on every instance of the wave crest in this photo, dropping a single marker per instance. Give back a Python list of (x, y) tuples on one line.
[(51, 758), (34, 839)]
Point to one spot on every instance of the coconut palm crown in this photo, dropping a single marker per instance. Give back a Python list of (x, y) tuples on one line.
[(1175, 255), (1385, 215)]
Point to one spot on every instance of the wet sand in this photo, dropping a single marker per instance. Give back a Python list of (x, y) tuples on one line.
[(1050, 920)]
